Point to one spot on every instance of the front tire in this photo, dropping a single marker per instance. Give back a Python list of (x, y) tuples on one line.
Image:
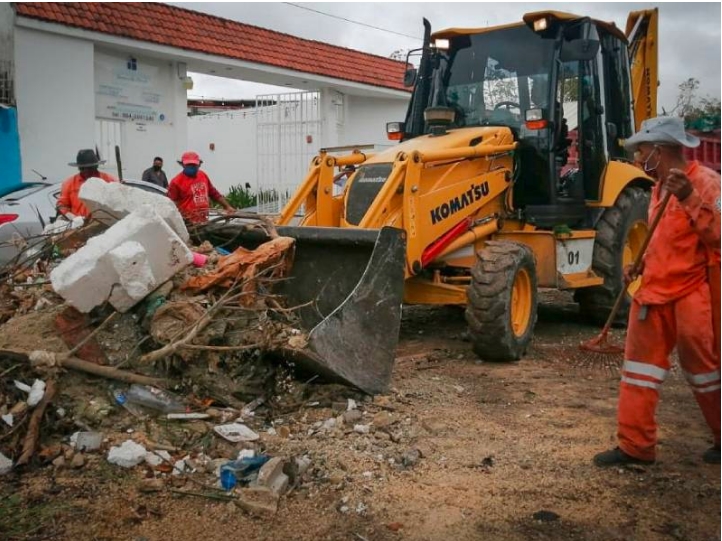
[(502, 301), (620, 233)]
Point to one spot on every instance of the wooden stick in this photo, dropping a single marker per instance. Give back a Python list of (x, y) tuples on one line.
[(220, 348), (46, 358), (33, 433), (221, 497), (109, 372)]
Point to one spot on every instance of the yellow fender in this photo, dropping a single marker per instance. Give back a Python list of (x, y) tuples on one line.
[(617, 176)]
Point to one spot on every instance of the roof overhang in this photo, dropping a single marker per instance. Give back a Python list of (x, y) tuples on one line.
[(214, 64)]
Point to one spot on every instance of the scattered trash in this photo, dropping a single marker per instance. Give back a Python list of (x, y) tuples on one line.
[(156, 458), (249, 408), (128, 455), (235, 432), (199, 260), (187, 416), (5, 464), (152, 398), (35, 392), (86, 441), (232, 473), (8, 419)]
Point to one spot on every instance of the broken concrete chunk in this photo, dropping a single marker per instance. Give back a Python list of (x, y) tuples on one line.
[(110, 202), (122, 265), (156, 458), (258, 501), (271, 476), (86, 441), (5, 464), (127, 455)]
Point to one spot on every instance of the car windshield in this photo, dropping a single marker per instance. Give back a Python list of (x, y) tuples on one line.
[(18, 192), (492, 78)]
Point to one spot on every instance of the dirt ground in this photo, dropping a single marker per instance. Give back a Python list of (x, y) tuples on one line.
[(499, 443)]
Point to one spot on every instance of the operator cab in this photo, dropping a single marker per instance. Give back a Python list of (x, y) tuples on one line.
[(555, 80)]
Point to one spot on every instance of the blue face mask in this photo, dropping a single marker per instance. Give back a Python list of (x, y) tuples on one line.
[(190, 170)]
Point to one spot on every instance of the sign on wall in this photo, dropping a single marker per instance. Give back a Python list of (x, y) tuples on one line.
[(128, 89)]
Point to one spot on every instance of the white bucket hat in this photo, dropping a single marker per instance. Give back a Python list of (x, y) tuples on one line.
[(662, 130)]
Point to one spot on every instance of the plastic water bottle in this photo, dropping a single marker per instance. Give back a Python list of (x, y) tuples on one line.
[(122, 400), (155, 399)]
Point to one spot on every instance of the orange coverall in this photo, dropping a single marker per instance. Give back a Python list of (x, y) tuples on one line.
[(69, 201), (674, 306)]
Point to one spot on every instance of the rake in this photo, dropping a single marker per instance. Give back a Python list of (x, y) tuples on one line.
[(599, 350)]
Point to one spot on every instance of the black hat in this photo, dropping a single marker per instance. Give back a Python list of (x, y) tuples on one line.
[(87, 158)]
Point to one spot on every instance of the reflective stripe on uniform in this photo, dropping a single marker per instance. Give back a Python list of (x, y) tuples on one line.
[(644, 369), (706, 389), (701, 379), (640, 382)]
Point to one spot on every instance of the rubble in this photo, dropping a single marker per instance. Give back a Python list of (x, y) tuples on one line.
[(271, 476), (5, 464), (86, 441), (110, 202), (122, 265), (128, 455), (235, 432)]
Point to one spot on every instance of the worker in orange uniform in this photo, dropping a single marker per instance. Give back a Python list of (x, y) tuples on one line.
[(69, 203), (191, 190), (673, 305)]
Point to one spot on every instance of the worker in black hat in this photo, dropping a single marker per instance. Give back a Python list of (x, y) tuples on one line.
[(69, 203)]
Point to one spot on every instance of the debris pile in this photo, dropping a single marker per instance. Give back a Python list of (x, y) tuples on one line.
[(130, 343)]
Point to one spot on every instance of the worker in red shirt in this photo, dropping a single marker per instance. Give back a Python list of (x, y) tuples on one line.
[(192, 191), (69, 203), (675, 304)]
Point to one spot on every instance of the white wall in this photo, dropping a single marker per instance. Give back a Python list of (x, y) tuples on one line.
[(55, 97), (55, 87), (233, 161), (366, 119), (141, 141)]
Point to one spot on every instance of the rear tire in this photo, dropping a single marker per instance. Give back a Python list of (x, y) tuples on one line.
[(620, 232), (502, 301)]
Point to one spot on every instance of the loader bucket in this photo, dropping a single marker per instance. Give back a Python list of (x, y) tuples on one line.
[(354, 279)]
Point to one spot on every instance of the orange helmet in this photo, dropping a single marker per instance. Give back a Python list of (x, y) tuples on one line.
[(190, 158)]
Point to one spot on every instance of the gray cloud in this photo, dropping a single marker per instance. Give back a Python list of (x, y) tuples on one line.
[(689, 33)]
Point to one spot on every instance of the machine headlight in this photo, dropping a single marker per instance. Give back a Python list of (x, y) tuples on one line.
[(541, 24)]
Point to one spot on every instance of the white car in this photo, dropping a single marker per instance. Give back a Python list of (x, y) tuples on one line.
[(26, 209)]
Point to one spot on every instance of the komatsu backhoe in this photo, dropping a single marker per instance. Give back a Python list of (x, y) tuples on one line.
[(479, 205)]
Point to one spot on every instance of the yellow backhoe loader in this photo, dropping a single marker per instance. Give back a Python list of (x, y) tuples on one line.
[(479, 204)]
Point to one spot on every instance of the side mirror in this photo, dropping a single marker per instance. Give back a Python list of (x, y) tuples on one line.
[(410, 77), (579, 49)]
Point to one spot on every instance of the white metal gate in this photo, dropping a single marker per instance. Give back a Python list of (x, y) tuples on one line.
[(108, 134), (288, 134)]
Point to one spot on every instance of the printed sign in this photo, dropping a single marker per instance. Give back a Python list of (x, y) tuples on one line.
[(126, 89)]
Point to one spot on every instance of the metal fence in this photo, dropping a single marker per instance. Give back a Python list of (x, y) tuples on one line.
[(288, 134)]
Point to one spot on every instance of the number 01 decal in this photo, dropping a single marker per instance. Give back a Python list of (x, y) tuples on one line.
[(574, 255)]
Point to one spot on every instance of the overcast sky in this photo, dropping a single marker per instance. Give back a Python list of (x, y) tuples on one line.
[(689, 41)]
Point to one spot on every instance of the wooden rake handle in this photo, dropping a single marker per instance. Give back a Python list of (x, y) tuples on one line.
[(637, 261)]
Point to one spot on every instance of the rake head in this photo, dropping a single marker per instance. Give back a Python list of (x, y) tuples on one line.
[(599, 354)]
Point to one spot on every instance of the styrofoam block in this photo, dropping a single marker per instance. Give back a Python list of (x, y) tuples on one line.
[(130, 261), (132, 258), (110, 202)]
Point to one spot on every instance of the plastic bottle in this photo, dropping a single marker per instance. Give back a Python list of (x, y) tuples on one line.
[(122, 400), (231, 472), (152, 398)]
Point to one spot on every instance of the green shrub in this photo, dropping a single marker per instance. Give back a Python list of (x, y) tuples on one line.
[(239, 197)]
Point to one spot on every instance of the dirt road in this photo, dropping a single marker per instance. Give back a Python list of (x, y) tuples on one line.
[(500, 445)]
